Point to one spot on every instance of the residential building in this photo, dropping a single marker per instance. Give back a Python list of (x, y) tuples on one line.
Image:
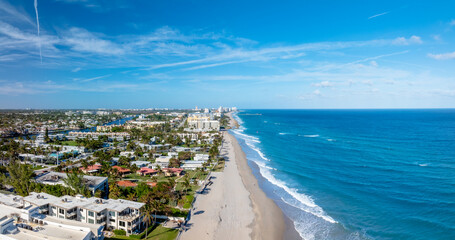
[(21, 220), (94, 183), (145, 171), (111, 213), (191, 165), (140, 164), (163, 161)]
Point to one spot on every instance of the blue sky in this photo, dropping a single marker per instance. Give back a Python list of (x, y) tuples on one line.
[(249, 54)]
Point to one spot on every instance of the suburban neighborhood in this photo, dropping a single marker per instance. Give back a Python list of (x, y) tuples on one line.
[(106, 174)]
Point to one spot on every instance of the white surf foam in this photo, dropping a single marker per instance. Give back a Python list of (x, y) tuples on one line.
[(303, 202), (311, 136), (283, 133)]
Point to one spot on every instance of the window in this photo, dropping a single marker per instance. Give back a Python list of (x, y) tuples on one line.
[(91, 221), (91, 214), (121, 223), (111, 213), (82, 217), (61, 211)]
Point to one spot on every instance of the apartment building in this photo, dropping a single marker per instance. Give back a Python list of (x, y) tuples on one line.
[(23, 221), (111, 213)]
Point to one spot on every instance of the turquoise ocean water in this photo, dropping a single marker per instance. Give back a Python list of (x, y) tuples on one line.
[(356, 174)]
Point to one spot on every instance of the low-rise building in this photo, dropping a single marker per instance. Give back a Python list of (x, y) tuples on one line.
[(145, 171), (94, 183), (163, 161), (173, 171), (201, 157), (111, 213), (191, 165), (121, 170), (140, 164), (21, 220)]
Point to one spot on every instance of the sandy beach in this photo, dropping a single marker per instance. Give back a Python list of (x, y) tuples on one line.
[(234, 207)]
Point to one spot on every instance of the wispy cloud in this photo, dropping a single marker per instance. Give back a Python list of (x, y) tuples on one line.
[(93, 78), (84, 41), (323, 84), (407, 41), (442, 56), (11, 13), (378, 15)]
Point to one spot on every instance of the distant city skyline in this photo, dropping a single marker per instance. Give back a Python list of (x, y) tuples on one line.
[(115, 54)]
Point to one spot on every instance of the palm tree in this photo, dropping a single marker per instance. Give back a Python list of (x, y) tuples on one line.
[(114, 191), (131, 196), (186, 183), (75, 181), (19, 177), (147, 210)]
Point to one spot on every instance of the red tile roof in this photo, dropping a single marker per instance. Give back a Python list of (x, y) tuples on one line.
[(174, 170), (126, 183), (91, 168), (121, 170), (146, 170)]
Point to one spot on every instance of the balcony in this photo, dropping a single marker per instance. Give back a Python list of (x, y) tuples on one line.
[(128, 217), (71, 214)]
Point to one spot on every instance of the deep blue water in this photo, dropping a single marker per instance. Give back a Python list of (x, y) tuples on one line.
[(356, 174)]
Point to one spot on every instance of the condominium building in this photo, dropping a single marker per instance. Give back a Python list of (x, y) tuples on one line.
[(111, 213), (22, 221), (203, 125)]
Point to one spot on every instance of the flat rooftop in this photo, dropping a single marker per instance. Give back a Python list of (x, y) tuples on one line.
[(92, 204), (56, 178)]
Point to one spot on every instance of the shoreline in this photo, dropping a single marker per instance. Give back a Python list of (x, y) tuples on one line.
[(233, 206), (268, 216), (268, 222)]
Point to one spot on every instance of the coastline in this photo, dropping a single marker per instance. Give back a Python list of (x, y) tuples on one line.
[(233, 206), (270, 221)]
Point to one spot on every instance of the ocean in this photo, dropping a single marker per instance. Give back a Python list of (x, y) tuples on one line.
[(356, 174)]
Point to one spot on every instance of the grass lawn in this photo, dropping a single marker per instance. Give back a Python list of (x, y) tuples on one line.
[(37, 168), (137, 177), (188, 200), (158, 233), (219, 167)]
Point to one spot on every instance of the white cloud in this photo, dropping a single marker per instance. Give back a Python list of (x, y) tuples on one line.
[(374, 63), (323, 84), (452, 23), (84, 41), (442, 56), (317, 92), (76, 69), (10, 12), (408, 41)]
